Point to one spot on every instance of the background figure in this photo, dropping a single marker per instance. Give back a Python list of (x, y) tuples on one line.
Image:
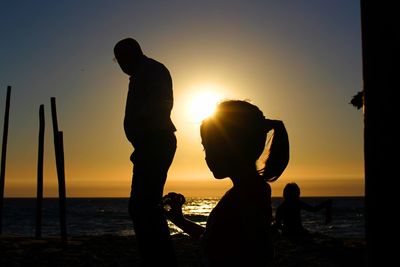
[(288, 213), (238, 231), (149, 128)]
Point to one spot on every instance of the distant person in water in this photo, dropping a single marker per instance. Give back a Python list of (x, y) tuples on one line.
[(238, 231), (288, 213), (149, 128)]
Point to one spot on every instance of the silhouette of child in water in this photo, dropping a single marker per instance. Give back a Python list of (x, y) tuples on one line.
[(288, 213), (238, 230)]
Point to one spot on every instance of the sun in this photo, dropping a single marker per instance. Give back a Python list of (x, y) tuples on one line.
[(202, 104)]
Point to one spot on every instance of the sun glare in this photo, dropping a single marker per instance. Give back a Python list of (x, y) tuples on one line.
[(202, 105)]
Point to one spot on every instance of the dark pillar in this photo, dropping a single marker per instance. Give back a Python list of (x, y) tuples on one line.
[(380, 33)]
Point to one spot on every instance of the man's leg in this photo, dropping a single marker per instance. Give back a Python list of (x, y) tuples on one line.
[(151, 164)]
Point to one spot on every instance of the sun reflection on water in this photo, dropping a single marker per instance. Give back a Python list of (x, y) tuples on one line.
[(196, 210)]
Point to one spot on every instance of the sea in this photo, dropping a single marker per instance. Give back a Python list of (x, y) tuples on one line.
[(109, 216)]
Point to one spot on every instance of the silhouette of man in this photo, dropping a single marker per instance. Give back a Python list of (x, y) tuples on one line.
[(149, 128)]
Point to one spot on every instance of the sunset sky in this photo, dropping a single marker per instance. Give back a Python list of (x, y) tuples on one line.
[(298, 60)]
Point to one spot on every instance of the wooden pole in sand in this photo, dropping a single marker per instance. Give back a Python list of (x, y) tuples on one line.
[(62, 190), (58, 147), (3, 156), (39, 197)]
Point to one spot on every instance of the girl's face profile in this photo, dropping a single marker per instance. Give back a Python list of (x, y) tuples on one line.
[(217, 160)]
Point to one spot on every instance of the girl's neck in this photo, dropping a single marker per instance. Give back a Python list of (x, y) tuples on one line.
[(246, 178)]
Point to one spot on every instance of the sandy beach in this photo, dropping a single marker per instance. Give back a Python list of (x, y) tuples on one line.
[(322, 251)]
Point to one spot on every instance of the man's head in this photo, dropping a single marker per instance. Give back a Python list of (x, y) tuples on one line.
[(128, 54)]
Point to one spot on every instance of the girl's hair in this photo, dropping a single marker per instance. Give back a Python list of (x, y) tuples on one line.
[(241, 129)]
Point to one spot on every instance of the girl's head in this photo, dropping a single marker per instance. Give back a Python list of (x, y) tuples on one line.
[(235, 137), (291, 192)]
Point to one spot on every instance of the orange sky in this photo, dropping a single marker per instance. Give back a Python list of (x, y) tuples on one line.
[(299, 62)]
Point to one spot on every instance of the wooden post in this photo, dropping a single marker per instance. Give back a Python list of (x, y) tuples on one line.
[(62, 190), (3, 156), (39, 198), (58, 147)]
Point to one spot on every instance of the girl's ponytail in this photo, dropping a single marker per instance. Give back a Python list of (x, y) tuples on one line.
[(278, 157)]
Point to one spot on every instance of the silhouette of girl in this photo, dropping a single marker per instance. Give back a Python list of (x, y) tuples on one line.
[(238, 229), (288, 213)]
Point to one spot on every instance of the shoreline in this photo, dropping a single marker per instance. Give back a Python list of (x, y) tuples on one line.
[(110, 250)]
